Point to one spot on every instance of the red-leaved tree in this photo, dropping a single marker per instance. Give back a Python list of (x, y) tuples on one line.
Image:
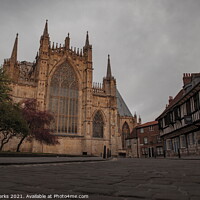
[(39, 124)]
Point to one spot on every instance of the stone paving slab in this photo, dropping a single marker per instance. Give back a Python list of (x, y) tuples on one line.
[(120, 179)]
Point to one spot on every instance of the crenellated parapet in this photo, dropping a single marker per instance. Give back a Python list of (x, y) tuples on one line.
[(98, 88), (61, 50)]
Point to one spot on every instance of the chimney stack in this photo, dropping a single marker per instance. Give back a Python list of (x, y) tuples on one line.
[(170, 99), (187, 78)]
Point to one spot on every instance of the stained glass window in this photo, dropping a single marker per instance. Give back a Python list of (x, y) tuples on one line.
[(63, 100), (125, 134), (98, 125)]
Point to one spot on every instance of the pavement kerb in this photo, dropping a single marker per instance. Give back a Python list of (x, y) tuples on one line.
[(54, 162)]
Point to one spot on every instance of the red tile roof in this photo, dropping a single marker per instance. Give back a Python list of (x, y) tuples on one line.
[(134, 132), (173, 102), (147, 124), (187, 78)]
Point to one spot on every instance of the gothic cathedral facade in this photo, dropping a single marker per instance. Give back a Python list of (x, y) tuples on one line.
[(90, 119)]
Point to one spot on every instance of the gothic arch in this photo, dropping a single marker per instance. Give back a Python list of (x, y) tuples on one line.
[(125, 134), (98, 125), (103, 115), (60, 63), (63, 99)]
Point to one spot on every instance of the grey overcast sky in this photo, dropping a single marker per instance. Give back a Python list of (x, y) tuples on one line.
[(151, 42)]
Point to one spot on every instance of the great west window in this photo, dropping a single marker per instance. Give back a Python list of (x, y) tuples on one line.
[(63, 100)]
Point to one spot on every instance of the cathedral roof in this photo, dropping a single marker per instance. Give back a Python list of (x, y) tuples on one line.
[(121, 106)]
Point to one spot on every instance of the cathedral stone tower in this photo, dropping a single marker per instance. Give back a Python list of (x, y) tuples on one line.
[(43, 68), (89, 117), (11, 64)]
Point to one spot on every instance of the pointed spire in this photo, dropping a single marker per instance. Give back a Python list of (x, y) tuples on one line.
[(67, 41), (45, 41), (81, 53), (135, 115), (45, 33), (14, 51), (140, 120), (109, 74), (87, 40)]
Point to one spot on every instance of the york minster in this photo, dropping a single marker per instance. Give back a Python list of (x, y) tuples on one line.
[(89, 118)]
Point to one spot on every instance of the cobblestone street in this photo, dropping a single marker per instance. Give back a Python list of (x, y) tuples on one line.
[(158, 179)]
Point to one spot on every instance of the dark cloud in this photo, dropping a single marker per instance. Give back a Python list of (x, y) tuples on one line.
[(151, 43)]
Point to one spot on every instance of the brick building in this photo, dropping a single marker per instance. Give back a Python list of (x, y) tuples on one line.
[(179, 123), (90, 118), (145, 141), (149, 142)]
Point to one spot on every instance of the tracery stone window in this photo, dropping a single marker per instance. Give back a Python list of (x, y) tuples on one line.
[(98, 125), (63, 100), (125, 134)]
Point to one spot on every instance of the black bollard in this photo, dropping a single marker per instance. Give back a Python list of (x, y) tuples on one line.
[(179, 154)]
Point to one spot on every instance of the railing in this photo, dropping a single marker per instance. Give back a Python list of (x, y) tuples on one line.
[(98, 88)]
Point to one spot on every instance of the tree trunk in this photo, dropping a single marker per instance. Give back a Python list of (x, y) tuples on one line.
[(4, 141), (6, 137), (1, 146), (18, 146)]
